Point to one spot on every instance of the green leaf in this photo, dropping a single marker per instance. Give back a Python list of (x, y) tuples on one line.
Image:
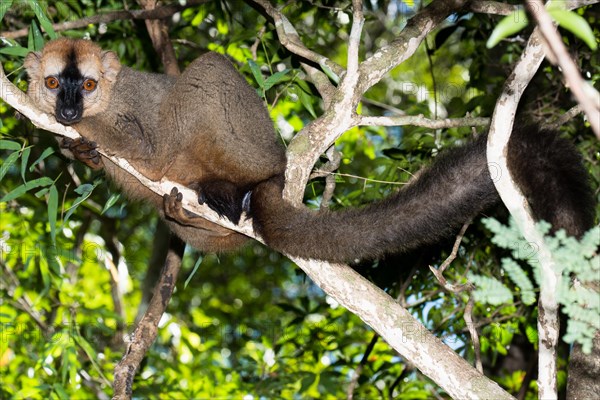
[(576, 24), (4, 7), (85, 189), (531, 333), (275, 79), (257, 74), (508, 26), (45, 272), (52, 212), (41, 158), (60, 391), (63, 10), (66, 363), (9, 145), (196, 266), (199, 17), (15, 51), (329, 72), (41, 193), (306, 101), (111, 201), (520, 278), (490, 290), (41, 16), (36, 37), (90, 352), (24, 159), (21, 190), (84, 192), (8, 162), (307, 382)]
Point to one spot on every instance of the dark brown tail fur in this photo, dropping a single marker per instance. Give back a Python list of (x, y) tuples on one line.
[(455, 188)]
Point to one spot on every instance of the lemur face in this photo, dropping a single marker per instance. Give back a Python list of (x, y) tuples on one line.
[(71, 79)]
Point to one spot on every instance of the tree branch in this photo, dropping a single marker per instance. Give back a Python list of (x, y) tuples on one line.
[(158, 29), (147, 329), (497, 150), (420, 120)]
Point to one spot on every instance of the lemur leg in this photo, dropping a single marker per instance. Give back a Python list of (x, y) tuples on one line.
[(84, 151), (175, 211), (224, 197)]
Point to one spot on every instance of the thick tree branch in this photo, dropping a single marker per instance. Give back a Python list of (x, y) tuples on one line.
[(497, 150)]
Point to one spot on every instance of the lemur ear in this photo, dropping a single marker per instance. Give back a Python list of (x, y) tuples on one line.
[(110, 65), (32, 63)]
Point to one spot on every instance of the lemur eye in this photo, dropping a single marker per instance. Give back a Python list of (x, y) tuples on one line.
[(52, 82), (89, 85)]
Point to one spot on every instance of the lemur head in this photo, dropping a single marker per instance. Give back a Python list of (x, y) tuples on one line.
[(71, 79)]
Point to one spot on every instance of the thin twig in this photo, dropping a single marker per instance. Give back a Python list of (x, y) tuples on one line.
[(566, 117), (422, 121), (333, 164), (439, 273), (468, 317)]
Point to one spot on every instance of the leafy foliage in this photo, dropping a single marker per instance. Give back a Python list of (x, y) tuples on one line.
[(577, 263)]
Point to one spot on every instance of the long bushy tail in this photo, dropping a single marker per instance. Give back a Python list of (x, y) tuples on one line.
[(455, 188)]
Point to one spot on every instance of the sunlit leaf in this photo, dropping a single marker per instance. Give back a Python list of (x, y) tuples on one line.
[(508, 26), (576, 24)]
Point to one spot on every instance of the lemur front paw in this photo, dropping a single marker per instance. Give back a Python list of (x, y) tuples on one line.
[(84, 150)]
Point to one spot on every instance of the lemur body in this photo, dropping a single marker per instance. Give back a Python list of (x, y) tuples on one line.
[(208, 130)]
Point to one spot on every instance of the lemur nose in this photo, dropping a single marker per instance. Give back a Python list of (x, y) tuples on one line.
[(69, 114)]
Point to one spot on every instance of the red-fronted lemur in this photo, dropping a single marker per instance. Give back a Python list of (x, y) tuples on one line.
[(207, 129)]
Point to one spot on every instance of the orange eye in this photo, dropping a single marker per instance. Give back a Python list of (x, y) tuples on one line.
[(52, 82), (89, 85)]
